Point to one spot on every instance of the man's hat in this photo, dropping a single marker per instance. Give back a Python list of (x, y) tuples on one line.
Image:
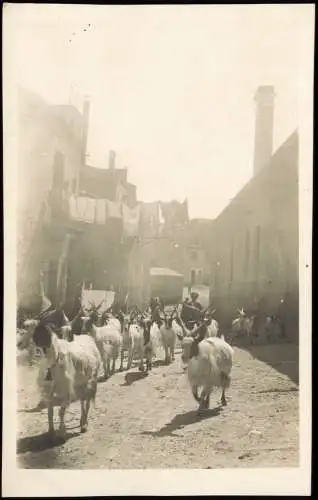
[(194, 294)]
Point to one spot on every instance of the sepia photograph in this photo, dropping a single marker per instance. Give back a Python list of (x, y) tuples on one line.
[(157, 248)]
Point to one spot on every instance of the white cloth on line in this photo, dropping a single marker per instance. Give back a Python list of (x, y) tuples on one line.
[(113, 209), (100, 214), (131, 220), (90, 210), (81, 208), (72, 203)]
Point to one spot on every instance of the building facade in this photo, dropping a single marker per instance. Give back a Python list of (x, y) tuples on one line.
[(50, 148), (254, 250)]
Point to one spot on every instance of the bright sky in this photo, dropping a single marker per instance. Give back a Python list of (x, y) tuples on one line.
[(172, 87)]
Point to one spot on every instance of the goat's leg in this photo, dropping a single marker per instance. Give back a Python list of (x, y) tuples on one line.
[(107, 367), (82, 421), (169, 355), (207, 401), (206, 397), (141, 364), (202, 402), (113, 365), (166, 355), (223, 399), (149, 362), (50, 415), (85, 406), (62, 429), (172, 351), (104, 366), (30, 354), (130, 357), (121, 360)]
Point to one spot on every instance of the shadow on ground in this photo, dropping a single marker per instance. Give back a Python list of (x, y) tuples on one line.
[(182, 420), (132, 377), (282, 357), (159, 362), (42, 442)]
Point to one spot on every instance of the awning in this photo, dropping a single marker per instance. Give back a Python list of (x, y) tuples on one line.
[(164, 271)]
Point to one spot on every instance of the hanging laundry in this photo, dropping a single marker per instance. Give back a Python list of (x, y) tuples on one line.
[(90, 210), (149, 217), (81, 208), (161, 219), (96, 297), (121, 193), (113, 210), (100, 213), (160, 214), (131, 220)]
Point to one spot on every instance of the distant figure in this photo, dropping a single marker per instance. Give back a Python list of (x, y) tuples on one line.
[(116, 310), (77, 299), (191, 312), (194, 302), (156, 309)]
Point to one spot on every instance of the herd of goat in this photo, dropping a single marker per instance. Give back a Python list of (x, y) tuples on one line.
[(74, 352)]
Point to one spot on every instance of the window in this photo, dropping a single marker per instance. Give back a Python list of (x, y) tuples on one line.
[(257, 249), (231, 261), (193, 273), (58, 170), (193, 255), (247, 251)]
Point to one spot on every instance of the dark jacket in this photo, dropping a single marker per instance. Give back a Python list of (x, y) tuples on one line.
[(191, 313)]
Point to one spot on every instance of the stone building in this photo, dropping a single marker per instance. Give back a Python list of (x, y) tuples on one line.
[(254, 241), (51, 141)]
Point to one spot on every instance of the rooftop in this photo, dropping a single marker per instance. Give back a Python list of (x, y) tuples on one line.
[(163, 271)]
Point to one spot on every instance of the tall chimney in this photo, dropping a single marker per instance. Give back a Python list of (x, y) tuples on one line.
[(111, 161), (86, 110), (263, 146)]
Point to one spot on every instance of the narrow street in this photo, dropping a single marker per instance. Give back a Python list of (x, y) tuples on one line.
[(151, 421)]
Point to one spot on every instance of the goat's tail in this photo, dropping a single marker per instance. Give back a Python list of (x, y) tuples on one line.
[(93, 394), (195, 393)]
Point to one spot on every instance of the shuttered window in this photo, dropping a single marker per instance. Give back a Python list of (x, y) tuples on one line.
[(232, 261), (247, 252), (257, 249)]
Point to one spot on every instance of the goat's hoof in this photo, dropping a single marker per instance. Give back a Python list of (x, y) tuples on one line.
[(61, 433), (223, 402), (83, 428), (51, 435)]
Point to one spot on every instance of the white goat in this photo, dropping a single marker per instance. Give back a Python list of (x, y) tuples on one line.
[(243, 325), (272, 328), (64, 332), (142, 342), (72, 372), (169, 336), (213, 328), (108, 341), (209, 364), (110, 320)]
